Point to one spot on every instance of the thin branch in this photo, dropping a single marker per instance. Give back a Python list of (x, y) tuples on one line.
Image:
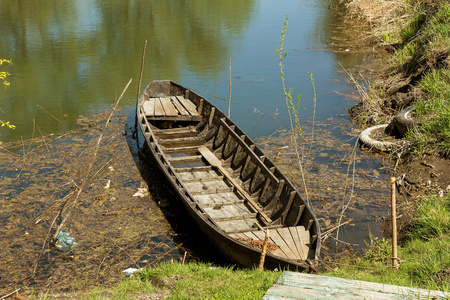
[(86, 181)]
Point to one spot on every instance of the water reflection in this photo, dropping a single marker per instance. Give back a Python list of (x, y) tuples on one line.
[(70, 56)]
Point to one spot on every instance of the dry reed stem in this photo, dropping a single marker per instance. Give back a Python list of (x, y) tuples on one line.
[(382, 16), (86, 181), (379, 11)]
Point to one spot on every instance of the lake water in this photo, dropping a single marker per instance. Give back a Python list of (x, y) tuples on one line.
[(74, 58)]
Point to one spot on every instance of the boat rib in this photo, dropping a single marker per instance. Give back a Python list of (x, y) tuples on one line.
[(233, 191)]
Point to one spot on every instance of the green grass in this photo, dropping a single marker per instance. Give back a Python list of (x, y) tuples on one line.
[(435, 109), (424, 251), (425, 52), (193, 281)]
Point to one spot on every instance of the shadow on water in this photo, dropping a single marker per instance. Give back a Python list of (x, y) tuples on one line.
[(186, 234), (114, 227)]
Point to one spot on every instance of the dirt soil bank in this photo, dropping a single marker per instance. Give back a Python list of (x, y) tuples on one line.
[(416, 176)]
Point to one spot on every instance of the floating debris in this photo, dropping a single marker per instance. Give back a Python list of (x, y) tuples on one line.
[(64, 242), (141, 192), (131, 271), (108, 184)]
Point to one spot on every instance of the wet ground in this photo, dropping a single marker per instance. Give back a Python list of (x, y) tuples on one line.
[(115, 222), (128, 216), (343, 183)]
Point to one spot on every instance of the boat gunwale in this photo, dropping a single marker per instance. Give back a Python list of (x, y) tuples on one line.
[(184, 193)]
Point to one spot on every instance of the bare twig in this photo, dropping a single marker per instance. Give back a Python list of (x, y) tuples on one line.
[(139, 84), (86, 181), (9, 295), (43, 138), (229, 96), (327, 233), (49, 114), (346, 205)]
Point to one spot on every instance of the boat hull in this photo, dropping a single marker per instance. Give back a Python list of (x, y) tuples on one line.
[(176, 123)]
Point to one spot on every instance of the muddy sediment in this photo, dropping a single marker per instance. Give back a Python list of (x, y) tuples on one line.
[(115, 224), (392, 89)]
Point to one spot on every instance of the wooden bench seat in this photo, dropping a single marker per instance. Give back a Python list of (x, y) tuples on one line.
[(174, 108)]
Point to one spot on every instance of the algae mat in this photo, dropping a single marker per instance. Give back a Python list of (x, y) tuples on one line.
[(115, 224)]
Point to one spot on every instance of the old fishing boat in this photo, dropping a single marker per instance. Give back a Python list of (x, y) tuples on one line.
[(232, 190)]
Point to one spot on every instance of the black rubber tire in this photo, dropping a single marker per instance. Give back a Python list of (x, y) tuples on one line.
[(404, 122), (367, 138)]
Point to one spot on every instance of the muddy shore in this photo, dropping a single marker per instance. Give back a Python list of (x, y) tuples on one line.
[(118, 222), (392, 89)]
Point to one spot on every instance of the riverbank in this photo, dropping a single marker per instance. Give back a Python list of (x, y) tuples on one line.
[(417, 34), (417, 75)]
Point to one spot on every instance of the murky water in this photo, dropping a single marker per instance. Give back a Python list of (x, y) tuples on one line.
[(74, 58)]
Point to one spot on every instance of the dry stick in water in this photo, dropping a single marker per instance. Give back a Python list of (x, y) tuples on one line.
[(394, 226), (49, 114), (10, 294), (87, 180), (139, 85), (229, 97), (346, 205), (327, 233)]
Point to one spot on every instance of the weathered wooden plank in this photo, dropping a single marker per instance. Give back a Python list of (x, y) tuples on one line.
[(158, 131), (182, 111), (169, 108), (149, 107), (198, 175), (238, 235), (288, 238), (292, 285), (181, 134), (184, 159), (176, 118), (278, 239), (304, 235), (159, 109), (207, 186), (178, 150), (183, 139), (255, 235), (177, 143), (236, 226), (188, 105), (219, 199), (302, 250), (194, 169), (221, 212), (233, 218), (261, 235)]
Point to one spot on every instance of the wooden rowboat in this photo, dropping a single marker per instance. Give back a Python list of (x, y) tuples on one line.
[(228, 186)]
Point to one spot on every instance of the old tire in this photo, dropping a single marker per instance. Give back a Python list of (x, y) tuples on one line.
[(404, 121), (371, 138)]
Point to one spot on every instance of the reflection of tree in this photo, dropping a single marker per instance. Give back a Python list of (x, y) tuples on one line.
[(340, 33), (72, 51)]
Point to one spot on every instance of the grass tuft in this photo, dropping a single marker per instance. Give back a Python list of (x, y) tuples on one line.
[(431, 218), (193, 281), (423, 253)]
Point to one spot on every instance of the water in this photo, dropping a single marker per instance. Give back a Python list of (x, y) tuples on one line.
[(74, 58)]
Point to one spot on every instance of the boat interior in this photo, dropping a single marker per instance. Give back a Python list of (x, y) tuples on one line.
[(242, 193)]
